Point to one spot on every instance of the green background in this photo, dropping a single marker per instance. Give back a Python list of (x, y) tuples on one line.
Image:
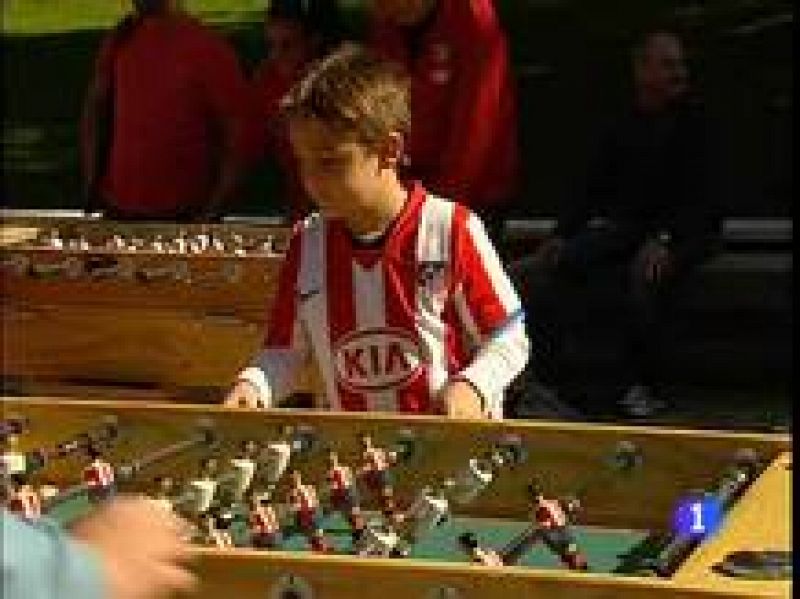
[(570, 59)]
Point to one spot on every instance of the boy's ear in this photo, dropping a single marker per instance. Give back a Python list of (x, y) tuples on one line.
[(390, 151)]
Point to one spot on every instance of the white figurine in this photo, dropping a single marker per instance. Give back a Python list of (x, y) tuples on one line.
[(275, 457), (377, 541), (470, 482), (12, 461), (428, 511)]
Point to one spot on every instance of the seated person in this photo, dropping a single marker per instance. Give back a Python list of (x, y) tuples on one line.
[(644, 222)]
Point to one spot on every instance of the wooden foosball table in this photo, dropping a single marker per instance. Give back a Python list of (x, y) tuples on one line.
[(165, 306), (651, 512)]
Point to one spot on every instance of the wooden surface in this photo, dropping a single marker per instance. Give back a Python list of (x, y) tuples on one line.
[(194, 331), (225, 284), (563, 456), (761, 520), (254, 575), (163, 347)]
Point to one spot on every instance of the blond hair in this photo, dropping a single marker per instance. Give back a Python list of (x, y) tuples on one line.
[(355, 92)]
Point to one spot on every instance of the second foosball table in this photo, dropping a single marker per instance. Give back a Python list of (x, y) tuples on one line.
[(154, 305)]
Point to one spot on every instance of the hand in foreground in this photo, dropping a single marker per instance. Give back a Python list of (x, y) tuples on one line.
[(461, 400), (141, 548), (242, 395)]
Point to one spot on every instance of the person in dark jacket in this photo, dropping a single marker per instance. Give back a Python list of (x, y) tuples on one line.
[(645, 219)]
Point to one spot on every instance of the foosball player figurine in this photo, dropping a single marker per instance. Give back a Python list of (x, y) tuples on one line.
[(429, 509), (243, 468), (553, 527), (304, 504), (203, 488), (381, 541), (216, 529), (275, 457), (344, 493), (376, 464), (12, 461), (164, 487), (99, 476), (472, 480), (48, 490), (468, 543), (23, 500), (265, 528)]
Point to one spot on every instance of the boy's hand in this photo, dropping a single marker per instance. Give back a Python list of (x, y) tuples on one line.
[(461, 400), (242, 395)]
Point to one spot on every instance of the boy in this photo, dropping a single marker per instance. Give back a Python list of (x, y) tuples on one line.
[(398, 294)]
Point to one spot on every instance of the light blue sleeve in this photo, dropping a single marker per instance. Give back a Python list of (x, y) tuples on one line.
[(40, 562)]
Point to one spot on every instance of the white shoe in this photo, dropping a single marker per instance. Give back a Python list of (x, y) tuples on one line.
[(640, 402)]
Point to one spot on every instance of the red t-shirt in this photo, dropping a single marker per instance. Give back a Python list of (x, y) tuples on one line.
[(270, 85), (179, 99), (463, 140)]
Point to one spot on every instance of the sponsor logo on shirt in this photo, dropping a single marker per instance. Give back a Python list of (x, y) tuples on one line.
[(432, 283), (377, 359)]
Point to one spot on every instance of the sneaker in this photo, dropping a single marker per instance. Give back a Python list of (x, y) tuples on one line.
[(640, 402), (543, 402)]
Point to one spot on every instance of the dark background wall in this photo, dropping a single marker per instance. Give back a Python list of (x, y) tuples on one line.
[(571, 62)]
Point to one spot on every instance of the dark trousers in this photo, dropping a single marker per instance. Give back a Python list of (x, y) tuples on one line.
[(595, 286)]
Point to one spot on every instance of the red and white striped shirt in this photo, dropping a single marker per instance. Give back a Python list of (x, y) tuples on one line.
[(340, 478), (549, 514), (264, 521), (98, 474), (303, 499), (390, 323), (25, 503)]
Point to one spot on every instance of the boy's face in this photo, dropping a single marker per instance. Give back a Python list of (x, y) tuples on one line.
[(338, 172), (403, 12)]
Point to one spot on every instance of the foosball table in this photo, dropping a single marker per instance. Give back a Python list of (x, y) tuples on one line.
[(165, 305), (292, 504)]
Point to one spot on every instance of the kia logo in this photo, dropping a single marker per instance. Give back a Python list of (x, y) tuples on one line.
[(377, 359)]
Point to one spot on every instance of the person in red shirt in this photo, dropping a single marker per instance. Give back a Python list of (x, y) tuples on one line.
[(463, 140), (296, 32), (176, 108)]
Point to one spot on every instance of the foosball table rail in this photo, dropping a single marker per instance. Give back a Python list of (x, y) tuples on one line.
[(563, 455)]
